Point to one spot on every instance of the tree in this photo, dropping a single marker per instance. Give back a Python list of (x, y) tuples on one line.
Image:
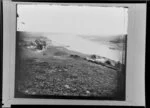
[(40, 44), (93, 56)]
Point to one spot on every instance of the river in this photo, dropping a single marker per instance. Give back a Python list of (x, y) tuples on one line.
[(77, 43)]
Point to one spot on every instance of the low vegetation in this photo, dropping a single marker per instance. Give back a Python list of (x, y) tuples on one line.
[(57, 72)]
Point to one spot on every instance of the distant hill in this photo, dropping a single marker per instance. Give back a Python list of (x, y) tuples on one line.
[(115, 39), (119, 39)]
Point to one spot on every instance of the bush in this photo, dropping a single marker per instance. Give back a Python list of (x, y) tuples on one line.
[(40, 44), (118, 65), (93, 56), (108, 62), (74, 56)]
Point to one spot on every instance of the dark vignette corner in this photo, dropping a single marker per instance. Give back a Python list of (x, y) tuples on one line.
[(147, 49), (1, 47)]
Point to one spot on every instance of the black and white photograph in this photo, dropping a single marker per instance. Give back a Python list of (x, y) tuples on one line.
[(71, 51)]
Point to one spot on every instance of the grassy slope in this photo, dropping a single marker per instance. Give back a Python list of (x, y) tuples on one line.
[(38, 74)]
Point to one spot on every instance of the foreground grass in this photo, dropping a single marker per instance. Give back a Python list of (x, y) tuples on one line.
[(68, 77)]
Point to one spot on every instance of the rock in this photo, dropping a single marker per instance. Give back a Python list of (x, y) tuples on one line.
[(33, 93), (74, 89), (67, 86), (87, 92), (51, 71), (65, 69), (26, 91)]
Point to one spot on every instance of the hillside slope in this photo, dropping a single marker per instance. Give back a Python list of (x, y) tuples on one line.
[(52, 72)]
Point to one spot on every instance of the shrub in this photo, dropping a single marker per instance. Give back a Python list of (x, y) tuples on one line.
[(108, 62), (75, 56), (40, 44), (93, 56)]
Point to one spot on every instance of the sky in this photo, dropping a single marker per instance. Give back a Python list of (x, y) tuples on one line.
[(75, 20), (87, 20)]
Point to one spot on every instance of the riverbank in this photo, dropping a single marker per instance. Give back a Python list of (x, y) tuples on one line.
[(57, 71)]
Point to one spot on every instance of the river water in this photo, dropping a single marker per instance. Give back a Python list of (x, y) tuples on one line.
[(77, 43)]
